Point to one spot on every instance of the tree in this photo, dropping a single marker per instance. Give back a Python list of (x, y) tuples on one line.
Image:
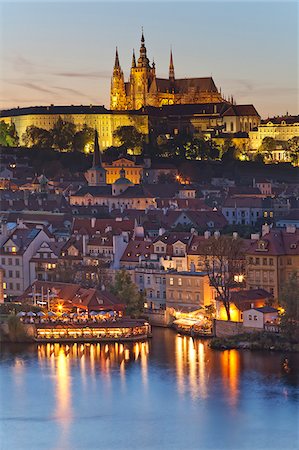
[(166, 178), (129, 137), (268, 146), (8, 135), (124, 288), (288, 299), (293, 148), (223, 260), (37, 137), (84, 140), (63, 134)]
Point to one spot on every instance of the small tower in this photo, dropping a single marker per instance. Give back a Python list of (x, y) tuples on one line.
[(96, 175), (133, 60), (122, 184), (171, 68), (118, 93)]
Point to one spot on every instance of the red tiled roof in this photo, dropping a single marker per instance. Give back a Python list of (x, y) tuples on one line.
[(277, 242)]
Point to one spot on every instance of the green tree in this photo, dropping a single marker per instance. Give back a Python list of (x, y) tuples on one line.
[(37, 137), (293, 148), (8, 135), (130, 138), (63, 134), (268, 146), (16, 330), (289, 300), (127, 291), (84, 140)]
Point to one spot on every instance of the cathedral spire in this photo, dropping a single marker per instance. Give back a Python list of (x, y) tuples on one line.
[(143, 61), (133, 60), (116, 62), (171, 67)]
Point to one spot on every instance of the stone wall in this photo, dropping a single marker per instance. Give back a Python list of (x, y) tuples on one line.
[(224, 328)]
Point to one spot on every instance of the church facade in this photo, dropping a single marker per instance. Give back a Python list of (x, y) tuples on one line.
[(144, 88)]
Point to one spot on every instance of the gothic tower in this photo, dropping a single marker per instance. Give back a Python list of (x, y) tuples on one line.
[(141, 77), (118, 93), (96, 175)]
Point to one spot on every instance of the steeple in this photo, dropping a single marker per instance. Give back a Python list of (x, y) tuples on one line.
[(133, 60), (143, 61), (97, 162), (116, 62), (171, 67), (96, 175)]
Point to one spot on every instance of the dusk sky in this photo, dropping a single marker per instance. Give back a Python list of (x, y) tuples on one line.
[(63, 53)]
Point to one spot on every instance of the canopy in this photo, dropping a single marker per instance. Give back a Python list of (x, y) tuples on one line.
[(51, 313), (41, 314), (31, 314), (21, 314)]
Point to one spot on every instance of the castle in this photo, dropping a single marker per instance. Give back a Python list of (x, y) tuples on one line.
[(145, 89)]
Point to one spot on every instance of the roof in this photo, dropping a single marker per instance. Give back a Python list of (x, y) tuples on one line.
[(241, 110), (276, 242), (73, 109), (22, 238), (289, 120), (123, 180), (135, 249), (266, 309), (87, 226), (243, 202)]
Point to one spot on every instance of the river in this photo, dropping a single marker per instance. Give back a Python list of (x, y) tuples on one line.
[(170, 393)]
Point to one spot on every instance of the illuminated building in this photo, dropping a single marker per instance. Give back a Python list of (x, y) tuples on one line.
[(144, 88), (272, 259), (278, 128), (105, 121)]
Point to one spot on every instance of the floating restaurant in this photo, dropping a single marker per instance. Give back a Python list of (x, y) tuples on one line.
[(118, 331)]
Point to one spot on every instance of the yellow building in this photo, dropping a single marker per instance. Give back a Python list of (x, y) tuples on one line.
[(279, 128), (105, 121), (144, 88), (272, 259), (113, 171)]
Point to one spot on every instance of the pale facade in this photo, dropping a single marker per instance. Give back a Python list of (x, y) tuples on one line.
[(279, 129), (99, 118)]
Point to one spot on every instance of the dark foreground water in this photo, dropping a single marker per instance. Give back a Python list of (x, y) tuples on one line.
[(170, 393)]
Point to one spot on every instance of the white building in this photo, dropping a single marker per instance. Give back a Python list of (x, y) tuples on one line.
[(258, 317), (278, 128), (16, 252)]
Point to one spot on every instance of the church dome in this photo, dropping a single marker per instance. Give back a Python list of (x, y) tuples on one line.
[(123, 180)]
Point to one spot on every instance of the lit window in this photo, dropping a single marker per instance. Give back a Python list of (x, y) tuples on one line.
[(171, 281)]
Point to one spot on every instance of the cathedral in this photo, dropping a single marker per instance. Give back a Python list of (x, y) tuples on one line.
[(145, 89)]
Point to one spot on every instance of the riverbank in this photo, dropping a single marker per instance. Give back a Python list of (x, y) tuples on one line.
[(255, 341)]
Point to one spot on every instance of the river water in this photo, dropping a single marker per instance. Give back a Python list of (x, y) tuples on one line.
[(169, 393)]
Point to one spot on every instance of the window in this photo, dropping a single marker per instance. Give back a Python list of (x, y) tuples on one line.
[(250, 317), (18, 286), (10, 273), (254, 317), (9, 261), (17, 274), (257, 261), (171, 281), (289, 261), (2, 260), (180, 281), (264, 261), (271, 262)]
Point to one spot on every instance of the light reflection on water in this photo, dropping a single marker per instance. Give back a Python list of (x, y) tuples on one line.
[(171, 393)]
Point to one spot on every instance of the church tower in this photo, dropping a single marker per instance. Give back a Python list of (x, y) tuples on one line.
[(141, 77), (96, 175), (118, 93)]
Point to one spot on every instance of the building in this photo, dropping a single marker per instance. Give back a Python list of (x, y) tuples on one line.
[(16, 252), (97, 117), (272, 259), (134, 172), (259, 317), (188, 291), (144, 88), (279, 128)]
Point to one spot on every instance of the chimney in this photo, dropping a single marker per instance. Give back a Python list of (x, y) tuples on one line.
[(252, 305), (93, 222), (84, 242), (207, 234), (217, 234), (161, 231), (291, 229), (265, 229), (235, 235)]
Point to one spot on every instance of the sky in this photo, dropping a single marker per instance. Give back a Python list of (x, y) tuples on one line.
[(62, 53)]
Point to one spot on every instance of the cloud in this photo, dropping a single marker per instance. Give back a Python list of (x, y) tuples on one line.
[(32, 86), (99, 74), (70, 90)]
